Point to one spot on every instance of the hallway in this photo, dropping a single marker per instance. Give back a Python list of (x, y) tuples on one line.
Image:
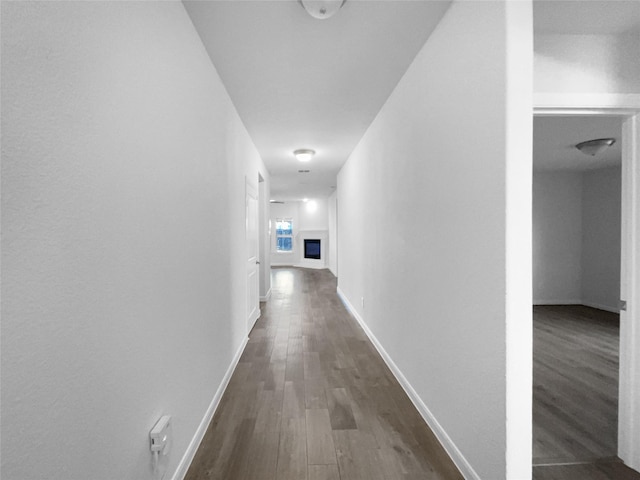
[(312, 399)]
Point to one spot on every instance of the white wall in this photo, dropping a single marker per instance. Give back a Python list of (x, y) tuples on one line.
[(587, 63), (601, 238), (121, 156), (314, 214), (426, 189), (332, 206), (576, 238), (557, 238)]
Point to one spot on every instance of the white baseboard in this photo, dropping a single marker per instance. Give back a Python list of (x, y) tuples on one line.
[(561, 301), (266, 297), (456, 455), (601, 306), (312, 265), (300, 265), (187, 458)]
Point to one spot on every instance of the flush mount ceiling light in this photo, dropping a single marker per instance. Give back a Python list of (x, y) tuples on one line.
[(304, 154), (322, 9), (594, 147)]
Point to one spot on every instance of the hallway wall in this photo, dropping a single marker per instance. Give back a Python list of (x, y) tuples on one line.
[(123, 169), (425, 234), (332, 204)]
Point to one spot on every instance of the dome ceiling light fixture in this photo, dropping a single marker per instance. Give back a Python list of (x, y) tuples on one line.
[(304, 154), (594, 147), (322, 9)]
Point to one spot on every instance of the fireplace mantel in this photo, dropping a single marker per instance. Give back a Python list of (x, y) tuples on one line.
[(323, 236)]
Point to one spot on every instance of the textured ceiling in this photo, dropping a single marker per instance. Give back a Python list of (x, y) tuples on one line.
[(586, 16), (555, 138), (298, 82)]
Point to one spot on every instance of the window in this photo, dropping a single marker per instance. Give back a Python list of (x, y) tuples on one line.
[(284, 235)]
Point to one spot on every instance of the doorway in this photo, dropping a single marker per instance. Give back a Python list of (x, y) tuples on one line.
[(576, 289), (628, 388)]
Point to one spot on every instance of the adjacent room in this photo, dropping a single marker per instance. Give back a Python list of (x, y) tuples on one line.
[(300, 234), (576, 288)]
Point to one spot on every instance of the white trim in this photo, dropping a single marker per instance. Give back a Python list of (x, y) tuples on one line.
[(558, 301), (601, 306), (314, 263), (187, 458), (252, 321), (629, 383), (517, 237), (265, 298), (585, 103), (456, 455), (310, 265), (251, 191)]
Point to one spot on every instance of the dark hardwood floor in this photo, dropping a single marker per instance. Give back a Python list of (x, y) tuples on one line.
[(311, 399), (575, 384), (606, 469), (575, 394)]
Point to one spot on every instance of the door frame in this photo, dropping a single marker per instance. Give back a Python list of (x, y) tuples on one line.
[(627, 107), (253, 315), (264, 249)]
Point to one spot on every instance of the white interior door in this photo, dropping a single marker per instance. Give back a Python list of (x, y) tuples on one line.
[(629, 386), (253, 295)]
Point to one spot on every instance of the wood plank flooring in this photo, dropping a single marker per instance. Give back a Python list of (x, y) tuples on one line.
[(575, 384), (607, 469), (575, 394), (311, 399)]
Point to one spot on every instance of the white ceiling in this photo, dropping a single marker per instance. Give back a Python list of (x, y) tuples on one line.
[(298, 82), (555, 138), (586, 16)]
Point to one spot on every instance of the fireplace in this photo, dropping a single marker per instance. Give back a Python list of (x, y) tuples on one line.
[(312, 248)]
